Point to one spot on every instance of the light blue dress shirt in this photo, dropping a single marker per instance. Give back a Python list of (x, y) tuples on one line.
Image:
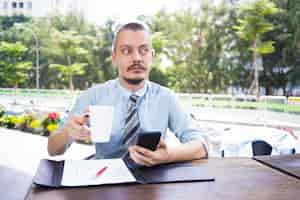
[(158, 109)]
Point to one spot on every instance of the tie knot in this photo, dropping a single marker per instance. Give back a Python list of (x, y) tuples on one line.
[(133, 98)]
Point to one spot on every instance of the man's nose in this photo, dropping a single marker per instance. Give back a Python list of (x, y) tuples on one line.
[(136, 56)]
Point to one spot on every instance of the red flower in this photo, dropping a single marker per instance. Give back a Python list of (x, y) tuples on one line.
[(53, 116)]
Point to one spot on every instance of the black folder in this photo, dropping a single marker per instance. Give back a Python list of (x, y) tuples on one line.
[(50, 173), (288, 164)]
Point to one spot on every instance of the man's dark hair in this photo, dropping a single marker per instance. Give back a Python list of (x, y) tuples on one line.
[(134, 26)]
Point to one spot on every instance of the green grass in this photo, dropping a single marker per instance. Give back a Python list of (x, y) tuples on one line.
[(198, 102), (40, 93), (244, 105)]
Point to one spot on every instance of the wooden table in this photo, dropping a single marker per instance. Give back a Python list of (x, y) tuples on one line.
[(288, 164), (14, 183), (235, 178)]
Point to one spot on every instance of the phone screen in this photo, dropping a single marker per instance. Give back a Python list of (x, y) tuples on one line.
[(149, 140)]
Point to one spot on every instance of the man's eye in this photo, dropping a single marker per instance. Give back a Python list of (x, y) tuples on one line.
[(125, 51), (144, 50)]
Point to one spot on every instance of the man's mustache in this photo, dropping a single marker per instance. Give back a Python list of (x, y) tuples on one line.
[(136, 66)]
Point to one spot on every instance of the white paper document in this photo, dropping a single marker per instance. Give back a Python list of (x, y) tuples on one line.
[(101, 119), (83, 172)]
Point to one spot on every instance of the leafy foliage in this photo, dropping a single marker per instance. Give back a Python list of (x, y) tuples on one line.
[(12, 69), (206, 47)]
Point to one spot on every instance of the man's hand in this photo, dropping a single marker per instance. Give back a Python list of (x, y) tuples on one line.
[(76, 128), (150, 158)]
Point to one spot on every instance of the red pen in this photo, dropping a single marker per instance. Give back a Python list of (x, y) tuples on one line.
[(101, 171)]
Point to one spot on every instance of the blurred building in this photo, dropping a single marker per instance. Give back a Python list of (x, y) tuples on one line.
[(35, 8)]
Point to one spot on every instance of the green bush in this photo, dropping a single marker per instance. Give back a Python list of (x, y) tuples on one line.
[(32, 122), (2, 111), (9, 121)]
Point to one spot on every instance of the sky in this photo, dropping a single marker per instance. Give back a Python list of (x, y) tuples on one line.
[(98, 11)]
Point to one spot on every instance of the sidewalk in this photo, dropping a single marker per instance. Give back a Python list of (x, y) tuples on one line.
[(23, 151), (248, 117)]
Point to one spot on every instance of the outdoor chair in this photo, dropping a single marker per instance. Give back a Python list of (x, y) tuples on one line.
[(261, 147)]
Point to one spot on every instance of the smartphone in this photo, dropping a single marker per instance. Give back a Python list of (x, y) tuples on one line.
[(149, 140)]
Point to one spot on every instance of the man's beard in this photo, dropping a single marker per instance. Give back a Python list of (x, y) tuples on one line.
[(134, 81), (131, 81)]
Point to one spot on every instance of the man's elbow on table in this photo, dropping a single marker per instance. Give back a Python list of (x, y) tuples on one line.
[(192, 150), (55, 145), (200, 149)]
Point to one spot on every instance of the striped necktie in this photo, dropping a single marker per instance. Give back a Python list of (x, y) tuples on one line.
[(132, 122)]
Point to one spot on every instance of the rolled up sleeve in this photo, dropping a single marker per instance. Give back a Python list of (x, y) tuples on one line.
[(181, 124)]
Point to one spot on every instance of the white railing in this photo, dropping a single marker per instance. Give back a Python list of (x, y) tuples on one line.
[(186, 96)]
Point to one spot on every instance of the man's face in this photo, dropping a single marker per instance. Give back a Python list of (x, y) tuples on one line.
[(133, 55)]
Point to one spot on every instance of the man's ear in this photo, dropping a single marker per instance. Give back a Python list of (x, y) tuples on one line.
[(113, 58), (153, 52)]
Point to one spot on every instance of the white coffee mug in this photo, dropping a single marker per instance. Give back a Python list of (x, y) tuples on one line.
[(101, 121)]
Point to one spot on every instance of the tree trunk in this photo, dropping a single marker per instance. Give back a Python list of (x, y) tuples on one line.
[(15, 100), (267, 83), (284, 90), (71, 86), (256, 75), (268, 88)]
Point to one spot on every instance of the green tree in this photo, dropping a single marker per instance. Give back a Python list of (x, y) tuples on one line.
[(68, 43), (196, 45), (252, 26), (13, 68), (51, 52), (67, 72), (6, 22), (174, 45), (158, 72), (282, 67), (103, 54)]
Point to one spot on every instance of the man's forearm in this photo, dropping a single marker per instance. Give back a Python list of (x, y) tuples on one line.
[(187, 151), (57, 143)]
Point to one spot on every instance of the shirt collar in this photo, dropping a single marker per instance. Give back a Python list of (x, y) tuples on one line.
[(126, 93)]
